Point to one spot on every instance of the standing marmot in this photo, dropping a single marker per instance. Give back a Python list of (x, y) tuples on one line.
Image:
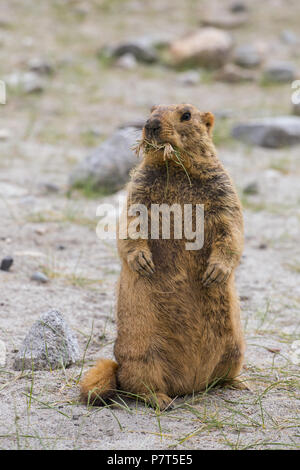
[(178, 313)]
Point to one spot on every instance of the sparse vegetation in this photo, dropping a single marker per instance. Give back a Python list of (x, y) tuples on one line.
[(54, 231)]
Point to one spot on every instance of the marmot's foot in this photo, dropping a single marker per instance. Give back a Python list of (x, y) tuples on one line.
[(215, 272), (161, 401), (238, 383), (141, 262)]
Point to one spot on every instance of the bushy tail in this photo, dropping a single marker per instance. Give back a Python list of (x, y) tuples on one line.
[(100, 382)]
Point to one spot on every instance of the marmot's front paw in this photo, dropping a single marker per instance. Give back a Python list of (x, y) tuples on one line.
[(141, 261), (216, 272)]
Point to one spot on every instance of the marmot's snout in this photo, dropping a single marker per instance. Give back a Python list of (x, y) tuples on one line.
[(152, 128)]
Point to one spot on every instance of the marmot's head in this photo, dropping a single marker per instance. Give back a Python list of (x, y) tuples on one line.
[(182, 126)]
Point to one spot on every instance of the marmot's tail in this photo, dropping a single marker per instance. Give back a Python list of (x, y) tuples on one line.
[(100, 382)]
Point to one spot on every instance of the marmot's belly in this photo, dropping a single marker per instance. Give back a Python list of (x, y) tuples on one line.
[(172, 316)]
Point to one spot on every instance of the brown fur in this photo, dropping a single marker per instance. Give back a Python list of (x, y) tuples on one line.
[(178, 312), (99, 383)]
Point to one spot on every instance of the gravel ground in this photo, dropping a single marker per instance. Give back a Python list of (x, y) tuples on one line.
[(47, 228)]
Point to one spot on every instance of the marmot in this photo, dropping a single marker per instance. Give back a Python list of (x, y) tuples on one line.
[(178, 313)]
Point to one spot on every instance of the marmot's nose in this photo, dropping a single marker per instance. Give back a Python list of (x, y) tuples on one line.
[(152, 127)]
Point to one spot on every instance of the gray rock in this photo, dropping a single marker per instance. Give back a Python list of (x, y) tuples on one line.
[(137, 124), (279, 72), (126, 61), (40, 66), (141, 48), (296, 109), (108, 166), (6, 263), (39, 277), (288, 37), (273, 132), (49, 344), (251, 188), (238, 7), (247, 55)]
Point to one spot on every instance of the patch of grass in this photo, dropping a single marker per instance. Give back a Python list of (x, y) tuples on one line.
[(67, 215), (89, 138), (221, 133), (251, 203), (295, 266), (90, 190), (73, 279), (51, 136), (283, 165)]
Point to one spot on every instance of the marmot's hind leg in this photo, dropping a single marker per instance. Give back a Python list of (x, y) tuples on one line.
[(237, 383), (229, 369), (146, 383), (99, 382), (161, 401)]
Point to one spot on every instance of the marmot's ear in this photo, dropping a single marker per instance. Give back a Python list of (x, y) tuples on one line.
[(153, 108), (208, 119)]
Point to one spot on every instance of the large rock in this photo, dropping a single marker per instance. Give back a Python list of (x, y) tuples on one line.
[(49, 344), (207, 47), (142, 48), (282, 71), (273, 132), (108, 166)]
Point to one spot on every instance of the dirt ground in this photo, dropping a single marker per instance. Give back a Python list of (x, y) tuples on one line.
[(45, 227)]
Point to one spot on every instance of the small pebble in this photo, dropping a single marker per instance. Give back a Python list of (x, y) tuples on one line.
[(262, 246), (40, 66), (238, 7), (6, 263), (189, 78), (39, 277), (126, 61), (51, 187), (40, 231), (4, 134), (288, 37), (251, 188)]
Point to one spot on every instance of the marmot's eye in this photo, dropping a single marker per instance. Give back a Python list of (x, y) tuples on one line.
[(186, 116)]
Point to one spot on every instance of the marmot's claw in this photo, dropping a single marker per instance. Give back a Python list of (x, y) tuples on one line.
[(146, 262), (215, 273), (141, 262)]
